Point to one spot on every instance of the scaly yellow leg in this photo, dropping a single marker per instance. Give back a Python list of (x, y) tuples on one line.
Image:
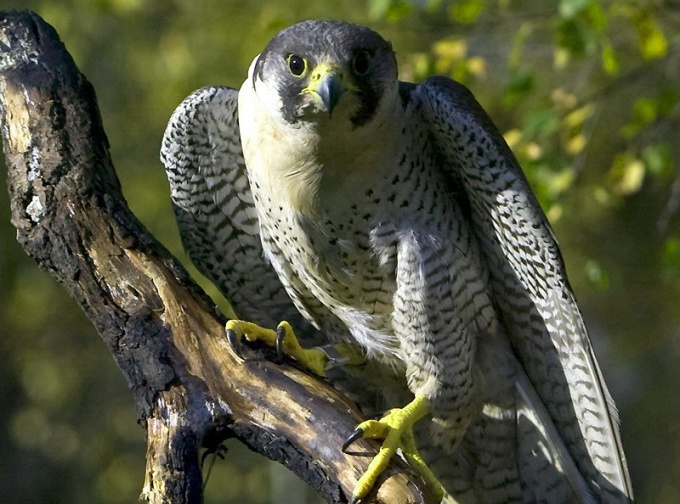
[(396, 428), (316, 359)]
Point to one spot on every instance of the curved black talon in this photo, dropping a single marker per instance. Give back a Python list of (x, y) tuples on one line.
[(280, 336), (234, 342), (354, 500), (356, 435)]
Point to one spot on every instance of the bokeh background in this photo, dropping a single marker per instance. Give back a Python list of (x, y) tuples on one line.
[(586, 92)]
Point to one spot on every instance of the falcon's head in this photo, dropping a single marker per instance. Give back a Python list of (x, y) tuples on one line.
[(318, 71)]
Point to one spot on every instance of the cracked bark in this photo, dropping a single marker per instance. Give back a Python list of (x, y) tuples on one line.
[(191, 390)]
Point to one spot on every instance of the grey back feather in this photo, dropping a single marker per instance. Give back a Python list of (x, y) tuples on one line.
[(530, 286)]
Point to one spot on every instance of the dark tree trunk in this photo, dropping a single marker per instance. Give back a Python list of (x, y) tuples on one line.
[(191, 390)]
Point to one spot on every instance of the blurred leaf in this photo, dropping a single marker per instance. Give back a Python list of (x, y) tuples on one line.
[(541, 123), (512, 137), (123, 6), (519, 39), (668, 99), (562, 99), (30, 428), (561, 181), (453, 49), (466, 11), (520, 84), (577, 117), (550, 176), (576, 144), (596, 275), (423, 66), (602, 195), (450, 59), (645, 111), (570, 8), (573, 139), (47, 382), (658, 158), (571, 37), (120, 480), (626, 174), (555, 212), (596, 15), (671, 259), (554, 177), (476, 66), (392, 10), (533, 151), (610, 59), (561, 58), (579, 32), (652, 42), (433, 5)]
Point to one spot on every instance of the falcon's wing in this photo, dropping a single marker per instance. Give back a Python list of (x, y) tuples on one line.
[(214, 208), (530, 286)]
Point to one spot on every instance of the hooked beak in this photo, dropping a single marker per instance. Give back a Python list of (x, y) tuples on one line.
[(326, 86)]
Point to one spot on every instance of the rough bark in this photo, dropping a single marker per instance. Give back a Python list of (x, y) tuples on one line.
[(191, 389)]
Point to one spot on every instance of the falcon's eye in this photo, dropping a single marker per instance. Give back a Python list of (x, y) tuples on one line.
[(297, 65), (362, 62)]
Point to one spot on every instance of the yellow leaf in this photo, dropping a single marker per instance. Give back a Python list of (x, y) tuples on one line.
[(467, 11), (654, 45), (610, 60), (561, 181), (627, 173), (421, 67), (512, 137), (576, 144), (555, 212), (577, 117), (533, 151), (563, 99), (652, 41), (454, 50), (477, 66), (561, 58), (601, 195)]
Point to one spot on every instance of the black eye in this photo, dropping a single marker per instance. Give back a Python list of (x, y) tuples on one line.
[(362, 62), (296, 64)]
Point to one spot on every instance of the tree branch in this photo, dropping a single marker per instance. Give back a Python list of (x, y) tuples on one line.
[(192, 390)]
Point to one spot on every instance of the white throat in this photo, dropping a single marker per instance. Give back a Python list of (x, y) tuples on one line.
[(308, 164)]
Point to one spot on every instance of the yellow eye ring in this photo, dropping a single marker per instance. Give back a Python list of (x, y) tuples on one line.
[(297, 65)]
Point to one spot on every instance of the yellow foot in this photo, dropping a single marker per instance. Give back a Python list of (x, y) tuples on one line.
[(317, 360), (396, 428)]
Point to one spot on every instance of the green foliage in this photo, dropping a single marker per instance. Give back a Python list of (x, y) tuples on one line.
[(652, 42), (596, 275), (610, 58), (466, 11), (626, 173), (657, 158), (391, 10), (584, 91), (671, 259)]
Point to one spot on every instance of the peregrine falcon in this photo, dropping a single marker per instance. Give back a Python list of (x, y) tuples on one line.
[(391, 220)]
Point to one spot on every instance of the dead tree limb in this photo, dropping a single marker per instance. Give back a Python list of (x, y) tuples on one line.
[(190, 388)]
